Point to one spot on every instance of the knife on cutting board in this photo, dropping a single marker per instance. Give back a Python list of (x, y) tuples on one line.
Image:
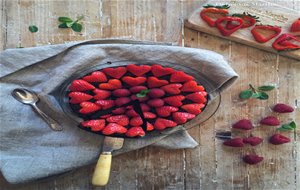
[(102, 169)]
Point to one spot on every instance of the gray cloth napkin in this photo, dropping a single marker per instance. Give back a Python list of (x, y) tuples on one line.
[(29, 149)]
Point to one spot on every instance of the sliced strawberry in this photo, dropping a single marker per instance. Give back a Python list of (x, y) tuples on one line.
[(134, 81), (197, 97), (105, 104), (172, 88), (165, 111), (96, 76), (121, 101), (191, 86), (113, 128), (119, 110), (105, 116), (136, 121), (175, 101), (101, 94), (116, 73), (95, 125), (154, 82), (156, 93), (150, 127), (159, 71), (157, 102), (180, 76), (88, 107), (119, 119), (193, 108), (149, 115), (161, 124), (182, 117), (131, 113), (78, 97), (138, 70), (80, 85), (111, 85), (121, 92), (137, 89), (135, 132), (144, 107)]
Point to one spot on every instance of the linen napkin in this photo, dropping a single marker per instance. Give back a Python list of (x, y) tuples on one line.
[(30, 150)]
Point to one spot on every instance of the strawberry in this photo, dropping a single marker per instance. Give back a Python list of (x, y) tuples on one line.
[(119, 119), (95, 125), (191, 86), (253, 141), (156, 93), (135, 132), (172, 88), (134, 81), (252, 159), (80, 85), (243, 124), (101, 94), (131, 113), (138, 70), (150, 127), (111, 85), (282, 108), (278, 139), (105, 116), (136, 121), (144, 107), (96, 76), (175, 101), (155, 102), (119, 110), (105, 104), (159, 71), (182, 117), (141, 99), (270, 120), (137, 89), (165, 111), (78, 97), (116, 73), (121, 92), (295, 27), (193, 108), (180, 76), (121, 101), (155, 82), (197, 97), (88, 107), (112, 128), (149, 115), (161, 124), (236, 142)]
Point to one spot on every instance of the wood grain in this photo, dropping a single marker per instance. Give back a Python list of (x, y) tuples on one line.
[(208, 166)]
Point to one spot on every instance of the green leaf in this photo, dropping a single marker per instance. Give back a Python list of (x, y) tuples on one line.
[(142, 93), (76, 27), (63, 25), (287, 127), (33, 28), (260, 95), (293, 125), (266, 88), (64, 19), (246, 94), (69, 24)]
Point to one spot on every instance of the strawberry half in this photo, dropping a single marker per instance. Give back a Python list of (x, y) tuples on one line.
[(159, 71), (172, 88), (157, 102), (113, 128), (78, 97), (197, 97), (180, 76), (191, 86), (105, 104), (116, 73), (149, 115), (165, 111), (95, 125), (175, 101), (161, 124), (135, 132), (193, 108), (136, 121), (88, 107), (80, 85), (138, 70), (121, 92), (156, 93), (137, 89), (112, 84), (101, 94), (121, 101), (182, 117), (134, 81), (119, 119), (96, 76), (154, 82)]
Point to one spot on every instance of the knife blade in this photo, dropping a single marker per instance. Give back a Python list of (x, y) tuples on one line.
[(112, 143)]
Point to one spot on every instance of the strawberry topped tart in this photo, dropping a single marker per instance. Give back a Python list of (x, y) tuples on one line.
[(132, 100)]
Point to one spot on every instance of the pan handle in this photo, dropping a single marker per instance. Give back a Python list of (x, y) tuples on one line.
[(102, 170)]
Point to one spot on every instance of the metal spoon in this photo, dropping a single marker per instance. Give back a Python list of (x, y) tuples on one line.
[(28, 97)]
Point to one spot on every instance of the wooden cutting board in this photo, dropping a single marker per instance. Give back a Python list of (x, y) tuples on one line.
[(268, 13)]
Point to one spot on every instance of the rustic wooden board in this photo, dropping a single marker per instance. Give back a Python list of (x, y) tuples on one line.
[(269, 13)]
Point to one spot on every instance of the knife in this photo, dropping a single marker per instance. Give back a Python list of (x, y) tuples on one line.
[(102, 169)]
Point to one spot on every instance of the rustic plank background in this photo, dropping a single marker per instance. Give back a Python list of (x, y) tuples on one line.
[(210, 165)]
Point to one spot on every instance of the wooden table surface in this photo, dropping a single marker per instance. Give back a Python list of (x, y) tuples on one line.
[(210, 165)]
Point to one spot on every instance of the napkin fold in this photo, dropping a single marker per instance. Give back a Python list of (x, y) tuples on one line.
[(30, 150)]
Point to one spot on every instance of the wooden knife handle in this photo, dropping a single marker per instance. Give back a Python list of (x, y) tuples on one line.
[(102, 170)]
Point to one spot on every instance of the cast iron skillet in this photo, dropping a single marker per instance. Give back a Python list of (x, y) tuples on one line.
[(213, 98)]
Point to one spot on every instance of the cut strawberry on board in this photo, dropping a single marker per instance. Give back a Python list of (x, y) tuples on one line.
[(264, 33), (295, 27), (211, 13), (222, 23)]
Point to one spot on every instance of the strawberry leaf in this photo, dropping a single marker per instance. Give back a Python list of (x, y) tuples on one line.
[(260, 95), (246, 94), (33, 28)]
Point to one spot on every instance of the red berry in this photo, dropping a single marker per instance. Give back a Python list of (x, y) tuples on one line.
[(119, 119), (180, 76), (270, 120), (137, 89), (80, 85), (282, 108), (155, 102), (88, 107), (138, 70), (182, 117), (244, 124), (105, 104), (253, 141), (149, 115), (96, 76), (278, 139), (193, 108), (159, 71), (135, 132), (136, 121), (101, 94), (172, 88), (252, 159), (197, 97), (131, 113), (119, 110), (174, 100), (111, 85), (191, 86), (150, 127), (95, 125), (236, 142), (105, 116), (78, 97), (116, 73), (156, 93), (161, 124), (144, 107), (154, 82), (113, 128), (121, 92), (134, 81), (121, 101), (165, 111)]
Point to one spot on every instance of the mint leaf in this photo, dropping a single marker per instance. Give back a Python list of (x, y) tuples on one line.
[(287, 127), (33, 28), (63, 25), (260, 95), (142, 93), (69, 24), (293, 125), (76, 27), (266, 88), (246, 94), (64, 19)]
